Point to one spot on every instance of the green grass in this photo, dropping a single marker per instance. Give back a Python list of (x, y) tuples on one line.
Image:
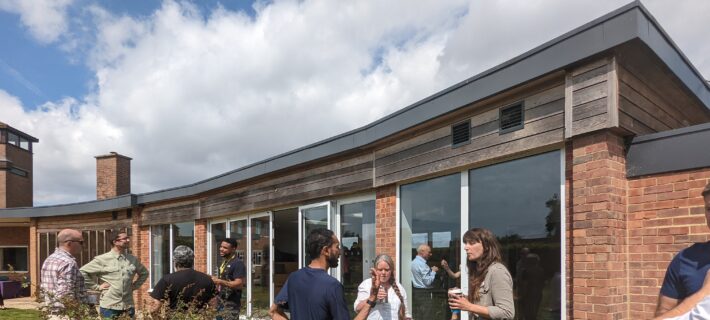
[(19, 314)]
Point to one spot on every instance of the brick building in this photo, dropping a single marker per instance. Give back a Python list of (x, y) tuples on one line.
[(589, 151)]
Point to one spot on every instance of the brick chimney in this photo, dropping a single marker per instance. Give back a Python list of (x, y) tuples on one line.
[(113, 175)]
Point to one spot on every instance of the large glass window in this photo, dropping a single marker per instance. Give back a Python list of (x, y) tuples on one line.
[(238, 230), (160, 252), (519, 201), (431, 215), (357, 228), (218, 232), (260, 272), (285, 248), (13, 259), (313, 218)]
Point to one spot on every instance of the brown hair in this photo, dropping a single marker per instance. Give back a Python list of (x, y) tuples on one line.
[(387, 259), (477, 270)]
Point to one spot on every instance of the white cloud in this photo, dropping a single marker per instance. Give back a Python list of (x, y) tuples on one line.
[(45, 19), (189, 96)]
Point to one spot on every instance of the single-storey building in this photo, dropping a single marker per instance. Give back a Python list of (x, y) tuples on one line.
[(587, 153)]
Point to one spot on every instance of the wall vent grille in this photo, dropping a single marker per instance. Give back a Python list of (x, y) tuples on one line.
[(511, 118), (460, 134)]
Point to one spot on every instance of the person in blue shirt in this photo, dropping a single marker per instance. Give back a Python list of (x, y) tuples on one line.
[(422, 283), (687, 270), (311, 293)]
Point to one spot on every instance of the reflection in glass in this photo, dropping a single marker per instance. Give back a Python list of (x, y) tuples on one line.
[(183, 235), (237, 230), (219, 232), (357, 253), (286, 250), (160, 252), (519, 201), (431, 214), (260, 254), (313, 218)]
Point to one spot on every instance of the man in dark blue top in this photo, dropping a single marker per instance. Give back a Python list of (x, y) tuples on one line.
[(231, 279), (686, 272), (310, 293)]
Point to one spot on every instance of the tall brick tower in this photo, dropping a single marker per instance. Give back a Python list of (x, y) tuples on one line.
[(113, 175), (15, 167)]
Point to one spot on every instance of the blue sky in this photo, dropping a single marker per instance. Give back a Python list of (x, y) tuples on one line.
[(193, 89)]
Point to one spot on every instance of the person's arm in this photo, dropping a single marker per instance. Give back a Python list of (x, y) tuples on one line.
[(363, 292), (155, 305), (372, 298), (688, 304), (452, 274), (277, 313), (238, 274), (89, 272), (66, 279), (665, 304), (142, 275), (669, 294), (428, 274)]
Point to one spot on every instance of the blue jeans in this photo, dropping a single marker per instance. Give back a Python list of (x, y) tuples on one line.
[(110, 313)]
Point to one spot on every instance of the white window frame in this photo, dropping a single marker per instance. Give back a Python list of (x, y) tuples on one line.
[(329, 224), (27, 248), (171, 243), (464, 223)]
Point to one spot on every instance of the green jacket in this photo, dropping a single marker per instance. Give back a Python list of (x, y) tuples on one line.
[(119, 270)]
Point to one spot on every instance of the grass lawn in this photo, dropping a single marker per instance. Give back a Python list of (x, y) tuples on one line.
[(10, 313)]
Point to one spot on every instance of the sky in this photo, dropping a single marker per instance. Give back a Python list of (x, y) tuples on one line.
[(193, 89)]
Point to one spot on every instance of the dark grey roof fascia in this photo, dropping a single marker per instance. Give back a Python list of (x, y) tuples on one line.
[(623, 25), (669, 151), (117, 203)]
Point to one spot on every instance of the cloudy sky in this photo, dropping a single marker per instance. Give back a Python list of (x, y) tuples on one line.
[(192, 89)]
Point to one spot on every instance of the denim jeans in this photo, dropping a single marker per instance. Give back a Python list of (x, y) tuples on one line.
[(111, 314)]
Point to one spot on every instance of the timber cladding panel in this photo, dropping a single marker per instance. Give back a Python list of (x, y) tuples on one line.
[(341, 177), (590, 101), (94, 221), (431, 152), (172, 213)]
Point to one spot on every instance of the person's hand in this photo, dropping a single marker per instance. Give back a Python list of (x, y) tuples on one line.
[(435, 269), (215, 280), (381, 293), (706, 284), (459, 302), (375, 280), (444, 264), (104, 286)]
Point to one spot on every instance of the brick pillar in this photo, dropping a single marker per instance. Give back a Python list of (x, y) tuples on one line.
[(386, 221), (201, 245), (144, 236), (34, 259), (137, 250), (599, 227)]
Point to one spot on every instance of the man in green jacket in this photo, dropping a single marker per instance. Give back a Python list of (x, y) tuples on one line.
[(116, 274)]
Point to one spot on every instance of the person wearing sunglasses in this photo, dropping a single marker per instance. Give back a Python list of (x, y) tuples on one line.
[(116, 274), (61, 281)]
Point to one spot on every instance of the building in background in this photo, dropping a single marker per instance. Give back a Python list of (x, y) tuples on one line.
[(587, 153)]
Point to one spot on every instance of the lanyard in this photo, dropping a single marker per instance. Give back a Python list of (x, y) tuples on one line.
[(225, 263)]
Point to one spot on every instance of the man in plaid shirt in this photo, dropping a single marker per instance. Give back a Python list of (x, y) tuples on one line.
[(60, 277)]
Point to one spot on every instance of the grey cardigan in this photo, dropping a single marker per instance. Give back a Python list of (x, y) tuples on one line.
[(497, 292)]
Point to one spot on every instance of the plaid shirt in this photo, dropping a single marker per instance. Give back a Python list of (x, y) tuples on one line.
[(61, 279)]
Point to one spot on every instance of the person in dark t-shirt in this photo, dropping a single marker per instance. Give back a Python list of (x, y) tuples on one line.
[(687, 270), (231, 279), (311, 293), (185, 286)]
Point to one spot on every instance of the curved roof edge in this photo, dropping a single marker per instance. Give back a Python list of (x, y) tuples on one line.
[(669, 151), (620, 26), (112, 204)]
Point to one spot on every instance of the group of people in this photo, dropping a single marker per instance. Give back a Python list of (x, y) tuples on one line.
[(116, 274), (310, 293)]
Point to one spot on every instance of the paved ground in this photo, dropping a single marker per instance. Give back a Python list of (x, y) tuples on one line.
[(21, 303)]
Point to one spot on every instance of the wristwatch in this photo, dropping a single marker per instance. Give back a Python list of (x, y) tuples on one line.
[(372, 303)]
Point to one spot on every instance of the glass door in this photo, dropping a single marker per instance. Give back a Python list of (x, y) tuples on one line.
[(357, 239), (259, 275), (238, 230), (311, 217)]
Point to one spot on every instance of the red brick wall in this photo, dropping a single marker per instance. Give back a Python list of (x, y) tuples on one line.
[(15, 190), (14, 236), (598, 201), (386, 221), (666, 215), (201, 245), (144, 236)]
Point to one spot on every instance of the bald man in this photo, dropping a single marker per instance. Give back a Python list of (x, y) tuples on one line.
[(422, 283), (61, 280)]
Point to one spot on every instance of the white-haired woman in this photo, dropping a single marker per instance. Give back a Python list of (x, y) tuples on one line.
[(391, 299)]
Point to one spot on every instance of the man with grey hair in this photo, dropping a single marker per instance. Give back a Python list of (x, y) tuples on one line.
[(60, 279), (185, 285), (423, 278)]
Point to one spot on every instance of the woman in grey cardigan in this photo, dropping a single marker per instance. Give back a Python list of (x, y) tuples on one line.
[(490, 286)]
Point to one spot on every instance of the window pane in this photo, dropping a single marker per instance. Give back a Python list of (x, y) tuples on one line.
[(431, 214), (237, 230), (43, 245), (519, 201), (358, 246), (313, 218), (286, 250), (219, 232), (160, 252), (13, 259), (260, 278)]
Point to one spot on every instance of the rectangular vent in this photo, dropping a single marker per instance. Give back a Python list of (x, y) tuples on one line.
[(511, 118), (460, 134)]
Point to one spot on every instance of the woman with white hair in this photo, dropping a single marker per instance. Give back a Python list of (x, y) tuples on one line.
[(391, 303)]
